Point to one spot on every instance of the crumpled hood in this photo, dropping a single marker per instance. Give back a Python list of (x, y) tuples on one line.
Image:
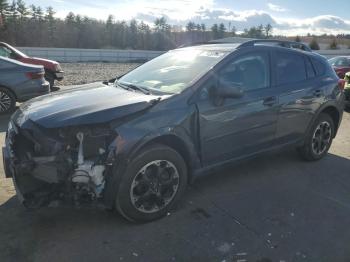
[(87, 104)]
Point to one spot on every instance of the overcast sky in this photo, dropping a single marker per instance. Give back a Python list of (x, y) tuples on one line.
[(289, 17)]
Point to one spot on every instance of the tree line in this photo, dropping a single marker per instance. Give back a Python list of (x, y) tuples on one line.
[(24, 25)]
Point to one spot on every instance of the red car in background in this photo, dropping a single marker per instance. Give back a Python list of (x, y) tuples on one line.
[(341, 65), (53, 70)]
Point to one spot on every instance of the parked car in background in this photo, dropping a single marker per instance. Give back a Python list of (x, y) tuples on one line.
[(20, 82), (134, 145), (53, 70), (341, 65), (347, 89)]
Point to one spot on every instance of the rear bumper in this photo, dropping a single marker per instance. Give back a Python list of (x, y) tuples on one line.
[(43, 89)]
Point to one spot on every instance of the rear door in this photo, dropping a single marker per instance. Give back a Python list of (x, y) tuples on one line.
[(298, 94), (237, 127)]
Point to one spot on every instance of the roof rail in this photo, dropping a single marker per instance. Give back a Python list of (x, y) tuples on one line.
[(282, 43), (195, 44)]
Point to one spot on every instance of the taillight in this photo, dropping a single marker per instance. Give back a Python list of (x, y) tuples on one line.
[(341, 84), (35, 75), (58, 67)]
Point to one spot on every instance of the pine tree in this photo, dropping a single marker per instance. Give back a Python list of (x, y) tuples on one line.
[(51, 25), (3, 13), (314, 45), (268, 30), (334, 44)]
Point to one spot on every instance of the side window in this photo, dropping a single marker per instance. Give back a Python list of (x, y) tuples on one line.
[(309, 68), (250, 71), (290, 68), (205, 91)]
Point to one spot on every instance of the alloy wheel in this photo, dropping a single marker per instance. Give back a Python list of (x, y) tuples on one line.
[(321, 138), (5, 102), (154, 186)]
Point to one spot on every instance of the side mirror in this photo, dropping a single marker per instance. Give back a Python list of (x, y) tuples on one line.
[(110, 81), (228, 90)]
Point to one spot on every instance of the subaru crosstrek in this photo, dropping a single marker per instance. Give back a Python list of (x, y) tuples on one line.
[(135, 144)]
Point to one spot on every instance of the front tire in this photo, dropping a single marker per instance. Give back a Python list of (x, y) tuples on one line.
[(153, 182), (51, 79), (319, 139), (7, 101)]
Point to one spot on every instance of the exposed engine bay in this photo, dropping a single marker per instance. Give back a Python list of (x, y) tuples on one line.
[(67, 165)]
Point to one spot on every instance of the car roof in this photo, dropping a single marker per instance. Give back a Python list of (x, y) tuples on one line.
[(212, 47)]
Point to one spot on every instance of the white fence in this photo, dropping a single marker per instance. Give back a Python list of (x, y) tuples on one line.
[(71, 55), (333, 53), (90, 55)]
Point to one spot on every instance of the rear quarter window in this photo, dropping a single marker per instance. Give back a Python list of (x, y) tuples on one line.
[(319, 66)]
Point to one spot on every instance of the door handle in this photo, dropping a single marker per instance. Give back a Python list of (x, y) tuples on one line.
[(317, 93), (270, 101)]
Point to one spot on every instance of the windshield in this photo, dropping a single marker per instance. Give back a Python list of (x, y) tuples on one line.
[(10, 52), (5, 52), (17, 52), (174, 71)]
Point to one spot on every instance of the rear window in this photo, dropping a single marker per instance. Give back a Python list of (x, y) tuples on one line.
[(290, 68), (319, 66)]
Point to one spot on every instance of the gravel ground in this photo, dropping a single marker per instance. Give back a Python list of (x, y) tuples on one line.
[(82, 73)]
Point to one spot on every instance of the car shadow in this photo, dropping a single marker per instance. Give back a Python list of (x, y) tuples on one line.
[(55, 88), (270, 185)]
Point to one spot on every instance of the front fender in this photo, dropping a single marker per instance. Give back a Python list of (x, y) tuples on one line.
[(130, 141)]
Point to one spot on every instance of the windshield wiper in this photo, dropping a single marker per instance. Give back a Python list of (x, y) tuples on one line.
[(134, 87)]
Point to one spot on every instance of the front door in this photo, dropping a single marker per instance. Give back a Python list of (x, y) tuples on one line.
[(237, 127)]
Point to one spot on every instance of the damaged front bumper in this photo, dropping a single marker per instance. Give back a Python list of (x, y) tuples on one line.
[(49, 169), (8, 159)]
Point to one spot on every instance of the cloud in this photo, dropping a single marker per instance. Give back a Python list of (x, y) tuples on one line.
[(276, 8), (180, 12), (325, 24), (240, 20)]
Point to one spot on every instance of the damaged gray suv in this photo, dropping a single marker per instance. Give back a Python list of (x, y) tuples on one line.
[(135, 143)]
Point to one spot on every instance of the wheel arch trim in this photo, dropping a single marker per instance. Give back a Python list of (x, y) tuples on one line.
[(329, 108)]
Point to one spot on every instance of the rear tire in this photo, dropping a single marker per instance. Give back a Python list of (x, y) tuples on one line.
[(153, 182), (7, 101), (319, 139)]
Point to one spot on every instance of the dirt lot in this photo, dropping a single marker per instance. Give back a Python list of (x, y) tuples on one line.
[(82, 73), (273, 208)]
